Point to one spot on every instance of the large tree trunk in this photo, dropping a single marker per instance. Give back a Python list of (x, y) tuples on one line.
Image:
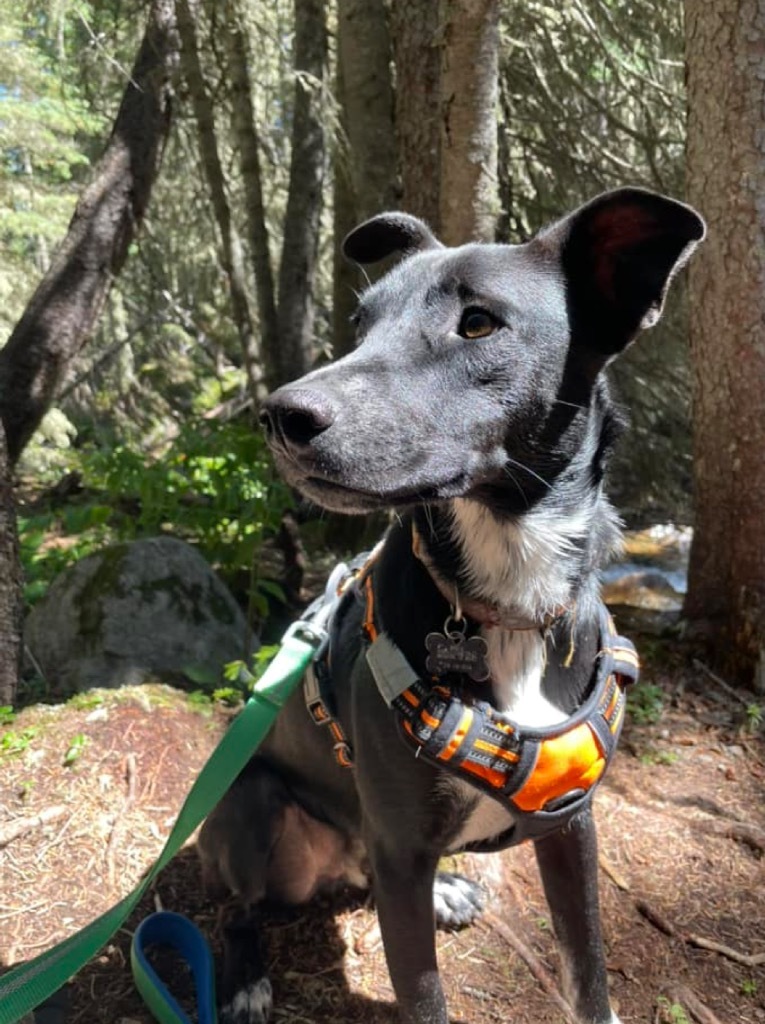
[(365, 159), (446, 120), (416, 47), (468, 150), (231, 254), (248, 144), (64, 309), (11, 605), (726, 181), (304, 202)]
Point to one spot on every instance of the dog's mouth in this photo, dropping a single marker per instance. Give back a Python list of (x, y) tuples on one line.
[(340, 497)]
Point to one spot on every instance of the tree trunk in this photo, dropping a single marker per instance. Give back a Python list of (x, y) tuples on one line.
[(725, 45), (304, 202), (468, 146), (365, 160), (446, 96), (248, 144), (416, 48), (11, 605), (231, 255), (65, 307)]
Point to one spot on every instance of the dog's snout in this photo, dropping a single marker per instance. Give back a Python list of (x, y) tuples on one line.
[(296, 417)]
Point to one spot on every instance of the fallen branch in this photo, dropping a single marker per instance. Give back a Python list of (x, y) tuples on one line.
[(747, 959), (655, 918), (688, 998), (20, 826), (742, 832), (726, 687), (699, 941), (540, 973)]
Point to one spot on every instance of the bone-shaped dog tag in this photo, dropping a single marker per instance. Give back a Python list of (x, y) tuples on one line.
[(453, 652)]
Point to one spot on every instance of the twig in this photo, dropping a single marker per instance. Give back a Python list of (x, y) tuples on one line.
[(19, 827), (130, 777), (655, 918), (542, 975), (742, 832), (688, 998), (720, 682), (747, 959), (699, 941), (618, 879)]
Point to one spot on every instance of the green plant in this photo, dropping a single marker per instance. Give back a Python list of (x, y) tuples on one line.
[(213, 485), (238, 672), (749, 987), (645, 703), (17, 742), (653, 756), (7, 714), (672, 1012), (75, 749), (754, 717)]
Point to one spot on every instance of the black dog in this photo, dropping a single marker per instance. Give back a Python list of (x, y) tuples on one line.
[(476, 407)]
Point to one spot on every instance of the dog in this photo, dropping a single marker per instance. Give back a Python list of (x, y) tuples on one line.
[(475, 406)]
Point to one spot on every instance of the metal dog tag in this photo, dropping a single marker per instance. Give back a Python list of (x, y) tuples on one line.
[(452, 652)]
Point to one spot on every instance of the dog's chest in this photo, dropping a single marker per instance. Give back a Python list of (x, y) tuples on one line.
[(486, 820)]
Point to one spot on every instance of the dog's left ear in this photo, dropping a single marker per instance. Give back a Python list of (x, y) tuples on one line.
[(619, 254), (388, 233)]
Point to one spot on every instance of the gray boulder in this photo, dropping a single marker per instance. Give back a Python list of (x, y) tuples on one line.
[(147, 609)]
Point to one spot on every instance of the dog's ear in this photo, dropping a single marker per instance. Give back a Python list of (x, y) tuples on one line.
[(386, 234), (619, 254)]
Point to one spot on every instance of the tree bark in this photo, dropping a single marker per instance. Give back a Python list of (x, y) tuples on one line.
[(64, 309), (11, 604), (417, 52), (304, 201), (725, 46), (446, 97), (248, 144), (365, 161), (468, 143), (231, 254)]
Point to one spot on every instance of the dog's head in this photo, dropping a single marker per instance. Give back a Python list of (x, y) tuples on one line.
[(478, 367)]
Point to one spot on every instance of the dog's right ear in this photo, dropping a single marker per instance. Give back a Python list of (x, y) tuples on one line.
[(388, 233)]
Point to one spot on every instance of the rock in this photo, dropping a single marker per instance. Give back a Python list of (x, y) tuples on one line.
[(147, 609)]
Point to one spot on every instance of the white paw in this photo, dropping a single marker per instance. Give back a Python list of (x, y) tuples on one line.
[(457, 901), (250, 1005)]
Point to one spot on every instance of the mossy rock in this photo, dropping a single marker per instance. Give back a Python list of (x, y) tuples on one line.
[(150, 608)]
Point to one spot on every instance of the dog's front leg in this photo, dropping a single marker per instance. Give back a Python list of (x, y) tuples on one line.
[(568, 863), (403, 888)]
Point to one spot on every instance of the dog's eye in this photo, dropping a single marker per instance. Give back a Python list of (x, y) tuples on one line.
[(476, 323)]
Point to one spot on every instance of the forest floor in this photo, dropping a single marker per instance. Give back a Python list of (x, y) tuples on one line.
[(681, 822)]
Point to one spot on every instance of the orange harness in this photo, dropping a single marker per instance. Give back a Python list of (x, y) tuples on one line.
[(543, 776)]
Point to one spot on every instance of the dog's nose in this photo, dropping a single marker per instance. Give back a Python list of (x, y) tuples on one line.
[(296, 417)]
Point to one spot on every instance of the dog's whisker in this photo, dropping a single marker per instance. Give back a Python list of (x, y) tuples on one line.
[(531, 472)]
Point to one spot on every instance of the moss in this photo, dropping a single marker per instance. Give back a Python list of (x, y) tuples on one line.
[(188, 599), (106, 579)]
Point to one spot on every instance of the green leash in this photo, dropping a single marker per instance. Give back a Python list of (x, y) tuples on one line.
[(31, 983)]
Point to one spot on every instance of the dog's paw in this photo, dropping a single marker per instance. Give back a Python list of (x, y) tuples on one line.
[(457, 901), (250, 1005)]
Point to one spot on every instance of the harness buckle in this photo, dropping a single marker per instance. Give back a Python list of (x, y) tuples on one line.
[(311, 632)]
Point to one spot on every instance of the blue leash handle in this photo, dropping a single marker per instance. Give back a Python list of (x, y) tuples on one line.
[(179, 933)]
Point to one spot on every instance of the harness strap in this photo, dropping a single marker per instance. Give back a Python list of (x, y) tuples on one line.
[(536, 771), (316, 684)]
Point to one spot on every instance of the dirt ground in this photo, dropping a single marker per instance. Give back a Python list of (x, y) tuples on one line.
[(682, 831)]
